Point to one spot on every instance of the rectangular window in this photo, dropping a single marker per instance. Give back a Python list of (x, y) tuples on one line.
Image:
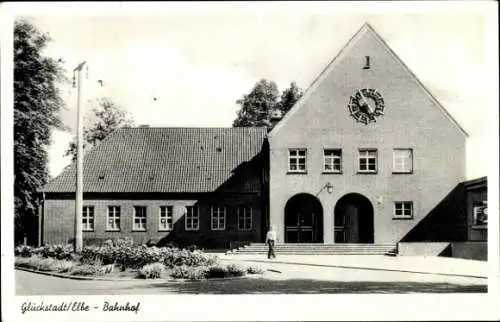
[(218, 215), (297, 160), (113, 218), (88, 218), (480, 213), (139, 218), (402, 161), (368, 160), (403, 209), (166, 218), (192, 221), (332, 161), (244, 218)]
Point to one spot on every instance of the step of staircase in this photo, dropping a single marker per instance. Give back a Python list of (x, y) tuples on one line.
[(320, 249)]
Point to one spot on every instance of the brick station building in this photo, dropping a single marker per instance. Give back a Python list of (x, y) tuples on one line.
[(367, 155)]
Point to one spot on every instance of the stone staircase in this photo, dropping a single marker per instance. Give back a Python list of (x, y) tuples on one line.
[(320, 249)]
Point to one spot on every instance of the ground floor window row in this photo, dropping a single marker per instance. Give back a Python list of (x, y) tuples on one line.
[(218, 218), (402, 160)]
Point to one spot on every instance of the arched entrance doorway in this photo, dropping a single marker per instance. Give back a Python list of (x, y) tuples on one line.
[(303, 219), (354, 219)]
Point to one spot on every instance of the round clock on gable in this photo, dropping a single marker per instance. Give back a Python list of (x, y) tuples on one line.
[(366, 104)]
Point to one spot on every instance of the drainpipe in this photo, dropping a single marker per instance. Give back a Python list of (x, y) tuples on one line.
[(41, 212)]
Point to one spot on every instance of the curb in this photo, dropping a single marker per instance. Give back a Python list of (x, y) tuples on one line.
[(354, 267), (89, 278), (72, 277)]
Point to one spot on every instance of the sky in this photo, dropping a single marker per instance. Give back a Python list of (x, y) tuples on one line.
[(197, 64)]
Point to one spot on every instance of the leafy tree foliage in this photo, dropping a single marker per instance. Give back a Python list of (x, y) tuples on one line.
[(289, 97), (258, 105), (37, 103), (106, 118)]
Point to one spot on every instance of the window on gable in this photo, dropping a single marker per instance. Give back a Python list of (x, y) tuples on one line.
[(332, 160), (297, 160), (88, 218), (113, 218), (480, 213), (244, 218), (403, 209), (368, 160), (192, 218), (139, 218), (218, 215), (166, 218), (402, 161)]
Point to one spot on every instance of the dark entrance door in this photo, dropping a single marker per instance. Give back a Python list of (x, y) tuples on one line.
[(303, 220), (353, 220)]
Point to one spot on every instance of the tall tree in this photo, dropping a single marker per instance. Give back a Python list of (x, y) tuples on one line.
[(258, 105), (106, 118), (37, 103), (289, 97)]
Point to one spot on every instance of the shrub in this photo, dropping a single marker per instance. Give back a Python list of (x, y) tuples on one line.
[(44, 264), (23, 251), (124, 242), (236, 270), (63, 266), (126, 256), (254, 270), (154, 270), (196, 273), (215, 271), (38, 263), (180, 272), (57, 251), (22, 261), (108, 243), (88, 270)]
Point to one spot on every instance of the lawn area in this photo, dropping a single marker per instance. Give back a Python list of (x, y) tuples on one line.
[(36, 284)]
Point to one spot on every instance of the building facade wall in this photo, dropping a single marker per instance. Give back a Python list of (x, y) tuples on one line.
[(58, 219), (411, 120)]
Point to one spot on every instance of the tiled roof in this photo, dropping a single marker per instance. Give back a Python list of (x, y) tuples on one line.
[(163, 160)]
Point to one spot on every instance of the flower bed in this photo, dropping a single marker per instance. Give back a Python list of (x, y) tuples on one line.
[(137, 261)]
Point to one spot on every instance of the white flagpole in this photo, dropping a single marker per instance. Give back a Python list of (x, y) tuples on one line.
[(78, 243)]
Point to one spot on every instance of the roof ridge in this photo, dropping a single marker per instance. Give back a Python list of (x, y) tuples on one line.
[(194, 127)]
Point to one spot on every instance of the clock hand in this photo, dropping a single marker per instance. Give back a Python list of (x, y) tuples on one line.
[(364, 100)]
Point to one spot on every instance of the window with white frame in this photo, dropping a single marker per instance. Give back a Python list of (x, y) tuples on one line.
[(88, 218), (297, 160), (113, 218), (403, 209), (218, 215), (402, 161), (166, 218), (192, 218), (244, 218), (368, 160), (332, 160), (139, 218), (480, 213)]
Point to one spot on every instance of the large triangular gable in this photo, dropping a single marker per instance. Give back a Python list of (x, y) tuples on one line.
[(333, 63)]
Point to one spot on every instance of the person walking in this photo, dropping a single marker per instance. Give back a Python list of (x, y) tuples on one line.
[(271, 242)]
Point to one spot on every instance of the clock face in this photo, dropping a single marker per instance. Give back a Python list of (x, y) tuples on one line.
[(366, 104)]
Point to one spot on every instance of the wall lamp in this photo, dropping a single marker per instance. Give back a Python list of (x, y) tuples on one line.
[(329, 187)]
